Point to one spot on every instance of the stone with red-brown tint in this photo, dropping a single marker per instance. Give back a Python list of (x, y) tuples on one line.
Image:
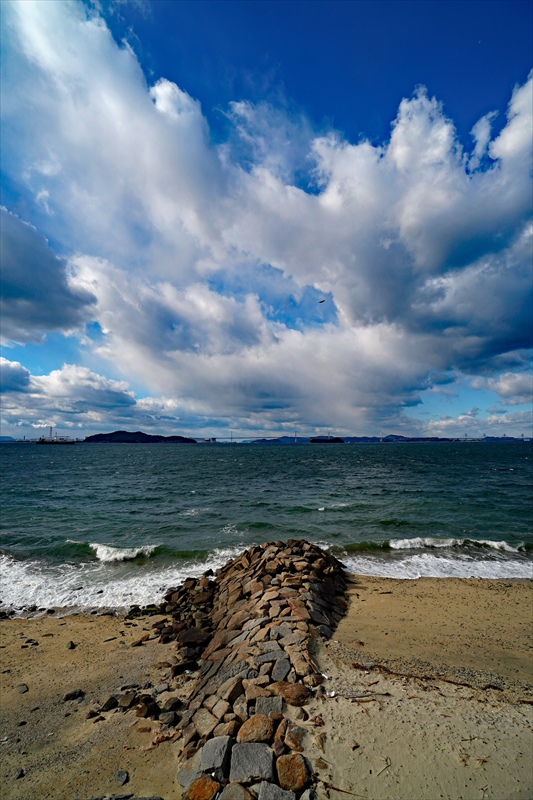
[(298, 609), (234, 791), (281, 730), (278, 746), (227, 728), (294, 694), (258, 728), (292, 772), (294, 737), (204, 788)]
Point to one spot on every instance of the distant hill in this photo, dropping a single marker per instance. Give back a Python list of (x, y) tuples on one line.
[(6, 439), (326, 440), (136, 437)]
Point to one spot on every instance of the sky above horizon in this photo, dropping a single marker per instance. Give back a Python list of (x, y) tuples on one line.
[(267, 217)]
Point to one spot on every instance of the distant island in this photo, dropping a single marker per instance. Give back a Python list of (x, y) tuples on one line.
[(136, 437)]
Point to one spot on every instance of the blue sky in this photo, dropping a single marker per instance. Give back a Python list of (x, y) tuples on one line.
[(267, 216)]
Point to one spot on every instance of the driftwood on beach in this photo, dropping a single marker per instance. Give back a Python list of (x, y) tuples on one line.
[(245, 634)]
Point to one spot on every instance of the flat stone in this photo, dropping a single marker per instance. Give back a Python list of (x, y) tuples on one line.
[(216, 754), (273, 655), (127, 700), (292, 772), (210, 702), (72, 695), (254, 623), (294, 694), (220, 708), (294, 737), (240, 708), (318, 617), (269, 791), (267, 647), (280, 669), (204, 722), (298, 609), (325, 631), (230, 728), (298, 660), (253, 692), (252, 762), (234, 791), (278, 746), (22, 689), (230, 689), (265, 705), (259, 728), (110, 703), (292, 638), (204, 788), (191, 770)]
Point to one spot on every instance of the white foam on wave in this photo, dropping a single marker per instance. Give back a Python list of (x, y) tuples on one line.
[(107, 553), (420, 542), (100, 584), (428, 565)]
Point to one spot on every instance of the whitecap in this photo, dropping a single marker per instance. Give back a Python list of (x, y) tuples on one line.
[(109, 553)]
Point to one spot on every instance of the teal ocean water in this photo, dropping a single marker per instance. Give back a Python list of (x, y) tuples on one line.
[(92, 526)]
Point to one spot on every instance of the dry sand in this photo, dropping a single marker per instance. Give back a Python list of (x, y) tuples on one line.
[(395, 728)]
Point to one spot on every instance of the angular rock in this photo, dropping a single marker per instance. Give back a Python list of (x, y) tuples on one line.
[(240, 708), (127, 700), (123, 776), (281, 669), (259, 728), (227, 728), (251, 762), (72, 695), (204, 788), (191, 770), (22, 689), (230, 689), (253, 691), (204, 722), (269, 791), (294, 737), (234, 791), (278, 746), (294, 694), (216, 754), (220, 708), (292, 772), (266, 705), (273, 655)]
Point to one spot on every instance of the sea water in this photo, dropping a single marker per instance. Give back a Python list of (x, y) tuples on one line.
[(109, 525)]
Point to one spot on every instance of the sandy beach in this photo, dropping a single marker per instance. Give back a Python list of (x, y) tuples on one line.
[(429, 683)]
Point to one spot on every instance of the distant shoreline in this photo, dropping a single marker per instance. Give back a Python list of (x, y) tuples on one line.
[(139, 437)]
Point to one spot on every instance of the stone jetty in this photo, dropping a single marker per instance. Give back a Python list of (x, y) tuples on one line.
[(245, 634)]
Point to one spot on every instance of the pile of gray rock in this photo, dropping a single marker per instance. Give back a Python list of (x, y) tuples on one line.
[(245, 634)]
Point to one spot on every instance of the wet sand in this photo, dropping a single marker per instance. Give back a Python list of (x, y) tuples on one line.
[(396, 727)]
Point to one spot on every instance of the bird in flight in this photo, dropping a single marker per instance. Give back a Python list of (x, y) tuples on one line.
[(322, 301)]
